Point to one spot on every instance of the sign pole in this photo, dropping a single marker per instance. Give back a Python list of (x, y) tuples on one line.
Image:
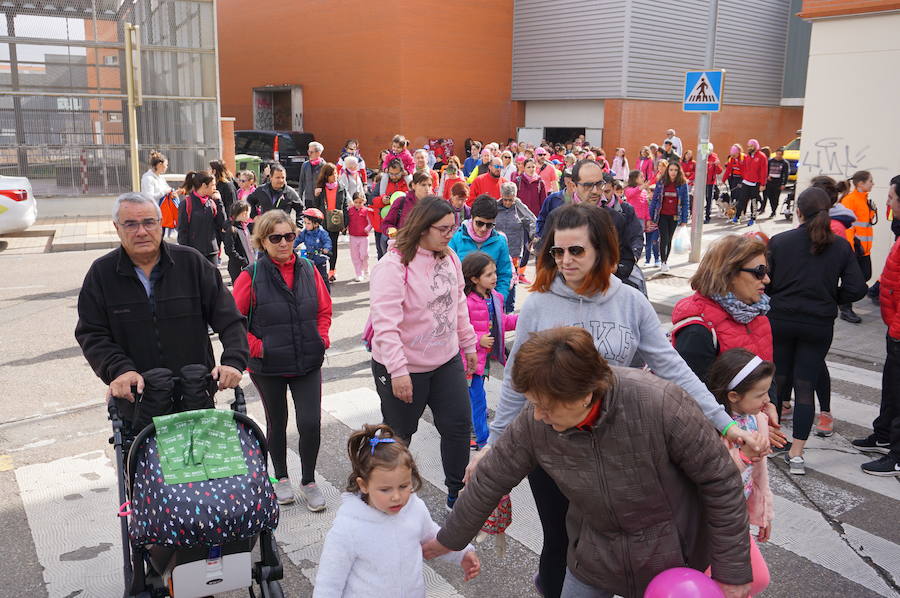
[(703, 145)]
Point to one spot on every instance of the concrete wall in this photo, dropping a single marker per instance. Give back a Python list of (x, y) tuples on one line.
[(634, 123), (373, 69), (851, 119)]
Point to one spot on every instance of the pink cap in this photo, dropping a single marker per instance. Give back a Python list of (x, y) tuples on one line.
[(754, 143), (520, 158), (540, 151)]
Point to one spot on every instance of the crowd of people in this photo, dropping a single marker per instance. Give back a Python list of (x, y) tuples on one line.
[(644, 451)]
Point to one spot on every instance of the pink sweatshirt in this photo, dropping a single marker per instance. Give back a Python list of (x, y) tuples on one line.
[(408, 163), (637, 197), (420, 316)]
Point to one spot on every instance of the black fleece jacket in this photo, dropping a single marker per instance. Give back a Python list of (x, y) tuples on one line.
[(120, 329)]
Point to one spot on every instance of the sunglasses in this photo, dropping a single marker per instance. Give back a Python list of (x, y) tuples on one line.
[(276, 239), (587, 185), (760, 272), (483, 224), (559, 252)]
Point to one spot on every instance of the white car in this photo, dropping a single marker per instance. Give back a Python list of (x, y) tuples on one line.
[(18, 208)]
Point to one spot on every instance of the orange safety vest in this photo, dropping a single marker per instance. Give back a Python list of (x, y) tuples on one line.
[(866, 216)]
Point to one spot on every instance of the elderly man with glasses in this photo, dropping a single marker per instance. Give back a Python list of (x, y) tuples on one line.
[(150, 304)]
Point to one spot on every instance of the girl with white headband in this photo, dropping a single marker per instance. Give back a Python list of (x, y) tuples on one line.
[(740, 381)]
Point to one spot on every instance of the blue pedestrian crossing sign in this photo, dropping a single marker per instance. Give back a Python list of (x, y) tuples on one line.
[(703, 91)]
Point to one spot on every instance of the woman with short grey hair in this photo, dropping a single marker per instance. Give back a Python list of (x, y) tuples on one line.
[(516, 221)]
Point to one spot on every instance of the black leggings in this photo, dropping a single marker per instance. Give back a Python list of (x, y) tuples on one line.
[(446, 392), (771, 195), (332, 259), (823, 389), (667, 226), (800, 350), (552, 506), (306, 391), (746, 194)]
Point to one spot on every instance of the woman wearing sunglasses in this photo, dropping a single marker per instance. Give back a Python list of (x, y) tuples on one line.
[(811, 275), (420, 321), (575, 285), (288, 311), (727, 310)]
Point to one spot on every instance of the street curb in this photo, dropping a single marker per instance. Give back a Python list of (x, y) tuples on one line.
[(83, 246)]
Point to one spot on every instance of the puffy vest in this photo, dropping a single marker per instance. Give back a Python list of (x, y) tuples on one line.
[(285, 320), (728, 333)]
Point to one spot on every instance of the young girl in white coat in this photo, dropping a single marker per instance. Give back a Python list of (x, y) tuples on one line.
[(374, 547)]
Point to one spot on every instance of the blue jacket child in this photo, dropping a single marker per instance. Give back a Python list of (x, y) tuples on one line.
[(317, 244)]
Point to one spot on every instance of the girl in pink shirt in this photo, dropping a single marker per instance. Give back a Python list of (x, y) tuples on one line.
[(359, 226)]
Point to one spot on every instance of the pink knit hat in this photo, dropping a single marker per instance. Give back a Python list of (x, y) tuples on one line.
[(753, 143), (735, 148)]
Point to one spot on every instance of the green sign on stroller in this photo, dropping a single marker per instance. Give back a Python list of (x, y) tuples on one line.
[(200, 445)]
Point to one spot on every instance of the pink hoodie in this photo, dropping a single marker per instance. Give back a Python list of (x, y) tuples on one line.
[(420, 317), (405, 157)]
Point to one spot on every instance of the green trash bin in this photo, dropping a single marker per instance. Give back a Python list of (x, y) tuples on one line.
[(248, 162)]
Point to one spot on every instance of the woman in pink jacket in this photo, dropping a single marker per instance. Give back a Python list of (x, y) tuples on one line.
[(420, 323)]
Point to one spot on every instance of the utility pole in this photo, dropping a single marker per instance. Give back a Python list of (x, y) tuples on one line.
[(703, 145), (135, 95)]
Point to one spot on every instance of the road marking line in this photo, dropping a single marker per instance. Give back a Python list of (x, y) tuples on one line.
[(805, 532), (6, 462), (854, 412), (70, 505), (855, 375)]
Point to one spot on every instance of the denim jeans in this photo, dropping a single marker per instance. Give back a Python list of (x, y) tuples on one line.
[(575, 588)]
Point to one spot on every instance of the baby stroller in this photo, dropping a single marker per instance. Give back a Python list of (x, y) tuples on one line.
[(189, 540), (787, 209)]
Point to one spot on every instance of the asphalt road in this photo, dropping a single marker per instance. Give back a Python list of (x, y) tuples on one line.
[(836, 530)]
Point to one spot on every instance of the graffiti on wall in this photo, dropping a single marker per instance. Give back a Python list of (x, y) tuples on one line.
[(836, 157), (263, 115)]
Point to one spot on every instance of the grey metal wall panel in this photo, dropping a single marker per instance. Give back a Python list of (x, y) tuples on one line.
[(751, 42), (797, 59), (568, 49), (667, 39)]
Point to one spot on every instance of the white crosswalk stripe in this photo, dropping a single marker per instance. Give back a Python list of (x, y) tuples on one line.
[(70, 505)]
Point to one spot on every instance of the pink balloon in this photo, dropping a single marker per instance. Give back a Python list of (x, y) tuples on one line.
[(683, 582)]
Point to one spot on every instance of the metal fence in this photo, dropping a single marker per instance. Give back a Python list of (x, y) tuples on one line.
[(63, 118)]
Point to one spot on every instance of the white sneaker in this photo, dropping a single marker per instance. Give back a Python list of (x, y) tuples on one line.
[(797, 464), (664, 267), (359, 279), (315, 500), (284, 493)]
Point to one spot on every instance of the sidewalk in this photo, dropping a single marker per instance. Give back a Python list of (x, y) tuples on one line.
[(52, 235), (862, 342)]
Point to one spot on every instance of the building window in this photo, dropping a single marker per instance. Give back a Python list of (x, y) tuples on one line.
[(114, 117), (111, 59)]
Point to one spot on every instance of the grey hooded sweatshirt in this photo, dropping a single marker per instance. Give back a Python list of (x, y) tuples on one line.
[(623, 324)]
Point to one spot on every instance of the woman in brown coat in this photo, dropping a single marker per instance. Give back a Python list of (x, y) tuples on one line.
[(649, 484)]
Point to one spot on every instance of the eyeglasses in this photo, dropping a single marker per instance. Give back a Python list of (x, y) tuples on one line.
[(149, 224), (559, 252), (760, 272), (276, 239), (445, 230), (587, 185), (483, 224)]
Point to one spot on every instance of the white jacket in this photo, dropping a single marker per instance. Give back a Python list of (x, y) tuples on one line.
[(154, 185), (370, 553)]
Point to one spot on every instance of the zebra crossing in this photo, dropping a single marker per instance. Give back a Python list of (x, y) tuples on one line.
[(821, 525)]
